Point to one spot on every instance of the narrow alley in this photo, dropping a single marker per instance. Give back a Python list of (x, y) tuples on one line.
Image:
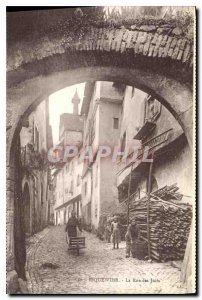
[(52, 269)]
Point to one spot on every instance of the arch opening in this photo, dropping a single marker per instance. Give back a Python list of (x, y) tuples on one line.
[(175, 96), (141, 80)]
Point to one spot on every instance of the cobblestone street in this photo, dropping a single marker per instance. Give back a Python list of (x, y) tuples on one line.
[(51, 269)]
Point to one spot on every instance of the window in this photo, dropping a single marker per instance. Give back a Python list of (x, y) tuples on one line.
[(91, 130), (123, 142), (120, 87), (78, 180), (85, 188), (115, 123), (96, 212), (152, 109), (41, 193), (78, 211), (74, 206), (36, 140), (72, 187)]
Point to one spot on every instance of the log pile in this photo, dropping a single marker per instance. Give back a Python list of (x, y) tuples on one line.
[(169, 223), (168, 193)]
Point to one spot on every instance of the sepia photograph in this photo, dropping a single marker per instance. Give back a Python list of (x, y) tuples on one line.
[(100, 150)]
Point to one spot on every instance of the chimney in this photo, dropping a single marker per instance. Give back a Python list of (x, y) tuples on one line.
[(76, 101)]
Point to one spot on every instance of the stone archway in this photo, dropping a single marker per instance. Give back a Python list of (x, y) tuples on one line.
[(153, 62)]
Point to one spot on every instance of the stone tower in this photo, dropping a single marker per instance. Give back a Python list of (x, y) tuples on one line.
[(76, 101)]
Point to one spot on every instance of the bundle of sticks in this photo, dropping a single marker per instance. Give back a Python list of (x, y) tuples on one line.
[(169, 223), (168, 192)]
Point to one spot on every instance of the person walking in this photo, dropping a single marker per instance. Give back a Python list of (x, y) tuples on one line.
[(132, 234), (107, 232), (116, 232), (72, 225)]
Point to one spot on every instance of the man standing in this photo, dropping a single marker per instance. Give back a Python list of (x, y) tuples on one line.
[(72, 224), (132, 234)]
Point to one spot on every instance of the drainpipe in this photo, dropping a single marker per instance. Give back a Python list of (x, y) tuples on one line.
[(129, 192)]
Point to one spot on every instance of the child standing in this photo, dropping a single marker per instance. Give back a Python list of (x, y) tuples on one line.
[(116, 233)]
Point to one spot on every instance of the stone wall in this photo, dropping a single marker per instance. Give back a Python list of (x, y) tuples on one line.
[(160, 45)]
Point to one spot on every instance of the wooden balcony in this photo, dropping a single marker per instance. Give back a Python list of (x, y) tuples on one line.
[(145, 130)]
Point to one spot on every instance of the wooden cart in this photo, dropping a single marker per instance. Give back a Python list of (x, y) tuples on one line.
[(76, 243)]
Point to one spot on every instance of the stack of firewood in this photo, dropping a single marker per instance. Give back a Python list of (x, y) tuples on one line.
[(168, 193), (169, 223)]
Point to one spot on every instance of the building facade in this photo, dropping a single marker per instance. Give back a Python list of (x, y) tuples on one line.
[(124, 118), (67, 191), (101, 109), (147, 123), (36, 138), (67, 177)]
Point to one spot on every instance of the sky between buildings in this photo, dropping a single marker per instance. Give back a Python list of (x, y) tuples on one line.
[(61, 102)]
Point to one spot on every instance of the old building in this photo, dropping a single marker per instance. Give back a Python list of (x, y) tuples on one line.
[(71, 125), (36, 139), (126, 117), (67, 177), (67, 186), (146, 122), (101, 107)]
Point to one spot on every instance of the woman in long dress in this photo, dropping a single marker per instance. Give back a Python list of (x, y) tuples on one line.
[(116, 233), (108, 232)]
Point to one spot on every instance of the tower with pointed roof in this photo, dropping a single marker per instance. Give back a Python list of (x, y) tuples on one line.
[(76, 101)]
